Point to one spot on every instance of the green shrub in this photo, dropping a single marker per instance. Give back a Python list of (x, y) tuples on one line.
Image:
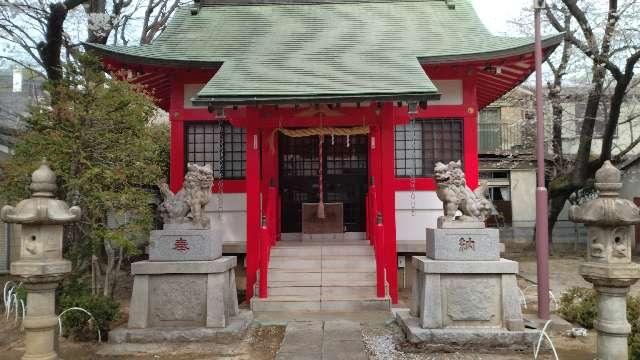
[(579, 306), (78, 324)]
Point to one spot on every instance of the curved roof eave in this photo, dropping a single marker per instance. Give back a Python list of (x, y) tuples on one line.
[(551, 41), (126, 57), (320, 98)]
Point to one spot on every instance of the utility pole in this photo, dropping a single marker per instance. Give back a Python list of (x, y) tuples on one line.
[(542, 224)]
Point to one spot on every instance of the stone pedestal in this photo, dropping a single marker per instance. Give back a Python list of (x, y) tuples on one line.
[(185, 245), (41, 321), (182, 301), (464, 293), (185, 292), (463, 244), (612, 283)]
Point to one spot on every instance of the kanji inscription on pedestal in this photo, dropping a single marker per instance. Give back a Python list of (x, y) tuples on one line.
[(181, 245), (467, 244)]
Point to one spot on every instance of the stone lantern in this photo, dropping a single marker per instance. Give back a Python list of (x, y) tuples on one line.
[(609, 221), (40, 264)]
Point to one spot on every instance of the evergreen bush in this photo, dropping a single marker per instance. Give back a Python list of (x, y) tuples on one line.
[(579, 305), (79, 325)]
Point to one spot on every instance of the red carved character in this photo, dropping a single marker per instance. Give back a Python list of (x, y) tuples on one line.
[(181, 245)]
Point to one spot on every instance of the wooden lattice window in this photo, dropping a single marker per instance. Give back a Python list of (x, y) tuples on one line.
[(202, 147), (436, 140)]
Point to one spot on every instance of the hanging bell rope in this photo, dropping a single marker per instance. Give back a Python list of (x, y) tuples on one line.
[(318, 131)]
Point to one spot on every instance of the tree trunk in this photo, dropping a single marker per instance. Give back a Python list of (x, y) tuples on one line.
[(51, 48), (108, 271), (556, 106), (556, 204)]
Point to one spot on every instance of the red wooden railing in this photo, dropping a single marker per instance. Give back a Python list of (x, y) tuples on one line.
[(268, 235)]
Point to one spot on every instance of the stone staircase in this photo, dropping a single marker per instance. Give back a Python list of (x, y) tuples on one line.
[(321, 276)]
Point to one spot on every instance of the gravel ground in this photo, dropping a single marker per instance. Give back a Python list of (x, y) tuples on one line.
[(260, 343), (388, 343)]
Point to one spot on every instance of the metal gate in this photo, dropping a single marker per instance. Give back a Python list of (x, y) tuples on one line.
[(345, 166)]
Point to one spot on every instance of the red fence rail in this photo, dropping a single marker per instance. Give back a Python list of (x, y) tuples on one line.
[(269, 230), (375, 231)]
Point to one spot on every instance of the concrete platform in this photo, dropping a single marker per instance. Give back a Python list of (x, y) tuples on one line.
[(481, 337), (236, 329)]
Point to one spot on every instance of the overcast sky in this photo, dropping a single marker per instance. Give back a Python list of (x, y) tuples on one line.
[(496, 13)]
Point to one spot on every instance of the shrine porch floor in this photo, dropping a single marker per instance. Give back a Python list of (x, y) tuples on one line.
[(321, 276)]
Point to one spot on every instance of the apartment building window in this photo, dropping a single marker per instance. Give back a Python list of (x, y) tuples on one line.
[(436, 140), (202, 147), (490, 130)]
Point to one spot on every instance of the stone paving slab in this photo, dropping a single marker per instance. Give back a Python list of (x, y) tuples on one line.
[(343, 350), (342, 330), (322, 340)]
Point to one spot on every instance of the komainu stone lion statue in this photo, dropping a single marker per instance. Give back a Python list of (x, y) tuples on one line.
[(187, 205), (456, 196)]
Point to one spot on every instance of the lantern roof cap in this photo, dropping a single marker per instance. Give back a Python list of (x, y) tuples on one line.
[(41, 207), (608, 209)]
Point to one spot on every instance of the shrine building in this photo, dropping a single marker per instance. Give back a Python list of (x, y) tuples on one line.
[(323, 120)]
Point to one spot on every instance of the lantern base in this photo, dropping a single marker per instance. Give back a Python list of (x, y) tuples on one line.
[(27, 269)]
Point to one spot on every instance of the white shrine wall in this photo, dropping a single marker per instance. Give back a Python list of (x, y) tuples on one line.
[(427, 210), (233, 222)]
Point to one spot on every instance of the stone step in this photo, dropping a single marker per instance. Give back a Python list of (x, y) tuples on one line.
[(295, 264), (276, 303), (321, 243), (348, 292), (353, 264), (289, 278), (348, 250), (348, 279), (296, 251), (373, 304), (294, 304), (302, 291), (321, 276)]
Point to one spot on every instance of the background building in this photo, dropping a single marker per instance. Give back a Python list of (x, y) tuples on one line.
[(18, 90)]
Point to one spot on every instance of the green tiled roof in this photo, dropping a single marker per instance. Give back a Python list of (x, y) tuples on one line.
[(303, 51)]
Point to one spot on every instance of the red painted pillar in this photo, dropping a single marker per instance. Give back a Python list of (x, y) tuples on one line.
[(177, 144), (470, 132), (376, 163), (264, 257), (388, 196), (269, 181), (176, 157), (252, 178)]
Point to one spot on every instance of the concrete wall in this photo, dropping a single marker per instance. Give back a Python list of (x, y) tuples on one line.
[(631, 183), (523, 197)]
